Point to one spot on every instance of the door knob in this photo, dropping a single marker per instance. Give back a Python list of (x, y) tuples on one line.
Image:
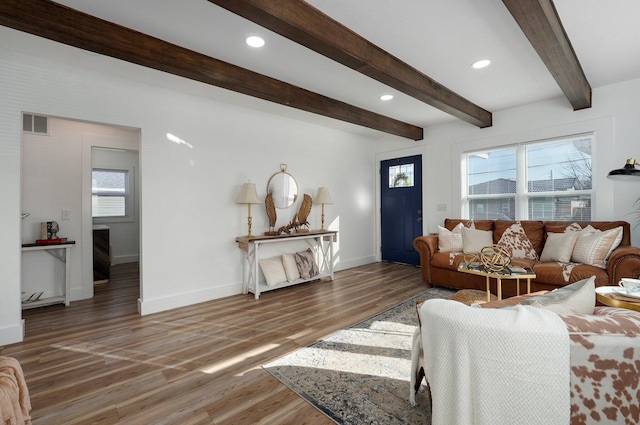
[(419, 219)]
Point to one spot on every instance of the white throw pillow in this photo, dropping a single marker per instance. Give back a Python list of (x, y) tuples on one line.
[(576, 298), (273, 270), (290, 267), (450, 240), (473, 240), (594, 247), (559, 246), (516, 241)]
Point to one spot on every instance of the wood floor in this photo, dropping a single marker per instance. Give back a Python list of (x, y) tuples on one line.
[(99, 362)]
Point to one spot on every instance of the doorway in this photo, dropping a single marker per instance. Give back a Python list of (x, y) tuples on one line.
[(56, 186), (401, 208)]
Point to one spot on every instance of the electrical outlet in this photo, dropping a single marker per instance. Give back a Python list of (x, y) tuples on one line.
[(66, 215)]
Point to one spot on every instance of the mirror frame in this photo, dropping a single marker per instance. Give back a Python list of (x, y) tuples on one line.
[(280, 198)]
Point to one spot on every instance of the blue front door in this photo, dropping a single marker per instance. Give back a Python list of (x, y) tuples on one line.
[(401, 208)]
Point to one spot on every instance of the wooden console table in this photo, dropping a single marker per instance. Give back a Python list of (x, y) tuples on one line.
[(321, 241), (62, 252)]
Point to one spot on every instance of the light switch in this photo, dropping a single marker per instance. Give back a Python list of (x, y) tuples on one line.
[(66, 215), (441, 207)]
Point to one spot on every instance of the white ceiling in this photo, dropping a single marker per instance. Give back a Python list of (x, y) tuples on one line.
[(441, 38)]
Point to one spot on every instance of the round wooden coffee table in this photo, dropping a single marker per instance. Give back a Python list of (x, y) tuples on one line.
[(607, 296)]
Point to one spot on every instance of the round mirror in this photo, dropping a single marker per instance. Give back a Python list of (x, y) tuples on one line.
[(284, 189)]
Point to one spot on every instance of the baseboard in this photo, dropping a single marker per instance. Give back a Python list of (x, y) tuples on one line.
[(157, 305), (12, 334), (357, 262), (121, 259)]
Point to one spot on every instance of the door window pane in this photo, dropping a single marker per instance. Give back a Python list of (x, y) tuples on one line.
[(401, 176)]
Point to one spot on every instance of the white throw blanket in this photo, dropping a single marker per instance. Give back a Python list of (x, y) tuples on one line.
[(495, 366)]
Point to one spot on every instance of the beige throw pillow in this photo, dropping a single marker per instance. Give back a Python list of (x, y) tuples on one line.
[(594, 247), (290, 267), (559, 246), (516, 241), (576, 298), (273, 270), (473, 240), (450, 240)]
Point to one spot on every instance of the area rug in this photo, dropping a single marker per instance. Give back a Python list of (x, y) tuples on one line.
[(361, 375)]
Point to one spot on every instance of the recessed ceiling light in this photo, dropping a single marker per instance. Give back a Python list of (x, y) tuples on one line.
[(255, 41), (386, 97), (482, 63)]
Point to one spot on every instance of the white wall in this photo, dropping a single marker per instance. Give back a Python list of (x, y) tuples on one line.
[(189, 219), (614, 117)]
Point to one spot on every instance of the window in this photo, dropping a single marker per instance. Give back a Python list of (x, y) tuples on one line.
[(35, 124), (110, 194), (545, 180), (401, 175)]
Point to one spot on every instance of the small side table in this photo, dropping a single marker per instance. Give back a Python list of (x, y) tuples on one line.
[(499, 277), (605, 295)]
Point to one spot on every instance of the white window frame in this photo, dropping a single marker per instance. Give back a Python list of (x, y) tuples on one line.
[(128, 197), (522, 195)]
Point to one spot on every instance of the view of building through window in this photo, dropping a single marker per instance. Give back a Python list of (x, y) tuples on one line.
[(109, 193), (545, 180)]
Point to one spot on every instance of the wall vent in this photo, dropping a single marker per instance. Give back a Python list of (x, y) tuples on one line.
[(35, 124)]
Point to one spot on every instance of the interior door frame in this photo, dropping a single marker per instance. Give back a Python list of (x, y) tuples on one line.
[(383, 156)]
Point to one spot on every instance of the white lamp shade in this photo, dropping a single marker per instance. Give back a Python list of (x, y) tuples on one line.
[(249, 195), (323, 196)]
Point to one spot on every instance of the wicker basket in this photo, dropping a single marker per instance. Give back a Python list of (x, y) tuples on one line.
[(471, 296)]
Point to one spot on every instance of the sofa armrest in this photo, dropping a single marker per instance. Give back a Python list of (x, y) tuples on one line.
[(426, 246), (623, 262)]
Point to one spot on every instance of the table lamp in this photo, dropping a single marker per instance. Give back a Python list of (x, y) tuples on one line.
[(323, 197), (248, 196)]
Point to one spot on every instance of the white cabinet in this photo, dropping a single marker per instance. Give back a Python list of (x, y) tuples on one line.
[(320, 241)]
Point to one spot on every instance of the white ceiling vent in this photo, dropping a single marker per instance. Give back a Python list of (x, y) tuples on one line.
[(35, 124)]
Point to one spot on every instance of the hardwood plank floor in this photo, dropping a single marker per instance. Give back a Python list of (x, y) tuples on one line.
[(99, 362)]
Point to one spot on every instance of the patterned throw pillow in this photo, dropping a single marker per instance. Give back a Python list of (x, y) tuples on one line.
[(594, 247), (450, 240), (306, 264), (516, 241)]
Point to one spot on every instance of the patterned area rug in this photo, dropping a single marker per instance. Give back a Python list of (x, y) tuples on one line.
[(361, 375)]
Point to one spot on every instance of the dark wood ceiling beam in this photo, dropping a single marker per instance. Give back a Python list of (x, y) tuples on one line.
[(304, 24), (65, 25), (540, 22)]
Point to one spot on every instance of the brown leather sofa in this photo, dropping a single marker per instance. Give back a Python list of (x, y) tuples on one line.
[(440, 268)]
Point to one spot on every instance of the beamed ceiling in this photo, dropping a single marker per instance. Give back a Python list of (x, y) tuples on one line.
[(335, 59)]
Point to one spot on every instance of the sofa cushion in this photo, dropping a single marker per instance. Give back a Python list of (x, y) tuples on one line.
[(450, 240), (474, 240), (594, 247), (515, 240), (559, 247), (576, 298)]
